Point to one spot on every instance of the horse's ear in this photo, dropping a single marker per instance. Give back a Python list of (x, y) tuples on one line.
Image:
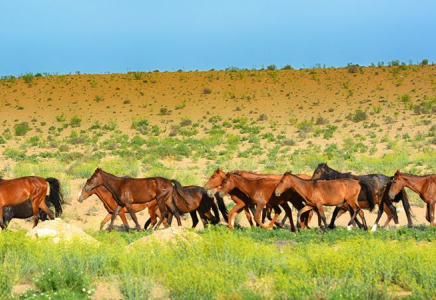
[(397, 173)]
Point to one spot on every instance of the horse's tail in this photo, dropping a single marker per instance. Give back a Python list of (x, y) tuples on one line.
[(369, 197), (402, 196), (178, 190), (222, 207), (56, 197)]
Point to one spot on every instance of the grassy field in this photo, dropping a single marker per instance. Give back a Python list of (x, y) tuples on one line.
[(224, 264), (183, 125)]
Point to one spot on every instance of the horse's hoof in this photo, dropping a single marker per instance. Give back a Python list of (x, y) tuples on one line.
[(374, 228), (349, 227)]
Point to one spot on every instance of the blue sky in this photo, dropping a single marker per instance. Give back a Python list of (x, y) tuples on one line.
[(99, 36)]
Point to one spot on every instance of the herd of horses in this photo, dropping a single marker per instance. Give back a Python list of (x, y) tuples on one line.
[(259, 196)]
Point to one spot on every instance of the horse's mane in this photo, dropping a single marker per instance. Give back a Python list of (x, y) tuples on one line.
[(1, 180), (249, 179), (413, 175)]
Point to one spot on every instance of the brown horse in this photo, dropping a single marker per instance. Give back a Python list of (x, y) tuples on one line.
[(129, 191), (296, 199), (424, 186), (197, 200), (243, 202), (16, 191), (110, 205), (318, 193), (260, 192), (374, 191)]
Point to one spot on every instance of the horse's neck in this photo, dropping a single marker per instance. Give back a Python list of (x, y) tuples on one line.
[(301, 186), (111, 183), (414, 182), (243, 185)]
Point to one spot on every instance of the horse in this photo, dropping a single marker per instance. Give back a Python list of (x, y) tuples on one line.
[(375, 184), (24, 210), (297, 201), (424, 186), (30, 188), (317, 193), (197, 200), (110, 205), (129, 191), (243, 202)]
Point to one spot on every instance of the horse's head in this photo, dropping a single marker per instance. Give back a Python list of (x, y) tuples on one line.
[(214, 182), (94, 181), (397, 184), (284, 184), (320, 170), (227, 185), (83, 194)]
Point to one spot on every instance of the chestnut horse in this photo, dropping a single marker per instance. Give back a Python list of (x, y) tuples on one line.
[(261, 193), (375, 186), (424, 186), (317, 193), (242, 200), (33, 188), (296, 199), (129, 191), (110, 205), (24, 210)]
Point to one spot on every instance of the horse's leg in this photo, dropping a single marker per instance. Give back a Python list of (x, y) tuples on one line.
[(44, 207), (427, 212), (114, 215), (2, 223), (123, 218), (406, 206), (249, 212), (288, 212), (431, 213), (389, 214), (194, 218), (379, 214), (105, 220), (362, 216), (283, 221), (277, 212), (301, 211), (336, 212), (239, 205), (133, 215), (259, 207), (321, 215)]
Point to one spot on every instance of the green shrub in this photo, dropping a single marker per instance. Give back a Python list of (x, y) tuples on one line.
[(140, 124), (75, 121), (21, 129), (28, 78), (207, 91)]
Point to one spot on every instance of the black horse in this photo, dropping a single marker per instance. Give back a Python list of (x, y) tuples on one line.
[(376, 184), (24, 210)]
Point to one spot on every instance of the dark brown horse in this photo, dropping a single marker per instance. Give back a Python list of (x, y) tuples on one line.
[(424, 186), (374, 186), (129, 191), (197, 200), (317, 193), (33, 188), (110, 205), (24, 210)]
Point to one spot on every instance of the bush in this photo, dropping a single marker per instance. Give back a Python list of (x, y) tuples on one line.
[(21, 129), (352, 68), (140, 124), (359, 115), (28, 78), (98, 98), (207, 91), (424, 62), (287, 67), (75, 121)]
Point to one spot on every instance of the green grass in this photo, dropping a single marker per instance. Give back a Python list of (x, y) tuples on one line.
[(239, 264)]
